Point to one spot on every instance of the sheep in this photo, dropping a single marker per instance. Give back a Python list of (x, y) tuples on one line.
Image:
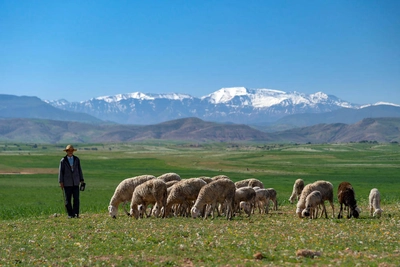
[(297, 188), (150, 192), (375, 203), (261, 200), (170, 176), (252, 182), (123, 193), (183, 192), (247, 194), (326, 190), (313, 200), (346, 197), (273, 198), (219, 191)]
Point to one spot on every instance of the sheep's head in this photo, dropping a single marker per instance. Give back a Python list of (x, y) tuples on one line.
[(134, 212), (354, 211), (378, 213), (306, 212), (291, 199), (195, 212), (246, 207), (113, 211), (298, 212)]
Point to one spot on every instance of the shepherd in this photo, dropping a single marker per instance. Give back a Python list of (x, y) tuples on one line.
[(71, 181)]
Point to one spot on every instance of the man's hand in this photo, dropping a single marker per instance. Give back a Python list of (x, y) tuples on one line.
[(62, 185)]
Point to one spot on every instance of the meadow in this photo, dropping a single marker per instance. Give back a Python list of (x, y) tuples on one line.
[(35, 231)]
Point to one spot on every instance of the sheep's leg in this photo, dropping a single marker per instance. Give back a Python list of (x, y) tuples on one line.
[(124, 206), (340, 212), (324, 210)]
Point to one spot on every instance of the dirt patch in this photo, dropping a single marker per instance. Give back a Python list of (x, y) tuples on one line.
[(30, 171)]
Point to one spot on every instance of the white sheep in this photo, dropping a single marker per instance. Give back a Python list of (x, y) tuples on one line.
[(218, 191), (123, 193), (170, 176), (298, 186), (150, 192), (183, 192), (251, 182), (313, 200), (326, 189), (375, 203)]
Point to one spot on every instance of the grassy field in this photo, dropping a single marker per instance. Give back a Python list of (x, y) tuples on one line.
[(34, 229)]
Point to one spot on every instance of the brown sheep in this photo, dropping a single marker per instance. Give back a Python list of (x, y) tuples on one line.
[(347, 197)]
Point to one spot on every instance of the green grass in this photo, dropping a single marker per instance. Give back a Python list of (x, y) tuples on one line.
[(34, 229)]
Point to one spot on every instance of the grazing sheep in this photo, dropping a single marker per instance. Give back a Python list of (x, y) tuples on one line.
[(123, 193), (313, 200), (219, 191), (298, 186), (375, 203), (183, 192), (150, 192), (252, 182), (262, 200), (326, 190), (273, 198), (246, 194), (170, 176), (347, 197)]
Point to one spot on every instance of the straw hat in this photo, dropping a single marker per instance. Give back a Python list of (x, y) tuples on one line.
[(69, 147)]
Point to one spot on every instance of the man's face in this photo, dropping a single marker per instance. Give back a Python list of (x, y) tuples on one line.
[(70, 152)]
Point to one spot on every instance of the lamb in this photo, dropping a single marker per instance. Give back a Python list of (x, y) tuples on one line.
[(346, 197), (183, 192), (326, 190), (272, 197), (375, 203), (262, 199), (252, 182), (298, 186), (123, 193), (150, 192), (170, 176), (219, 191), (246, 194), (313, 200)]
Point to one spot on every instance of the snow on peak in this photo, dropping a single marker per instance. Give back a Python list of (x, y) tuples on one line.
[(379, 104), (142, 96), (224, 95)]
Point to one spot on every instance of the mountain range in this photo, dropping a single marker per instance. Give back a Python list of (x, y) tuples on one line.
[(236, 105), (227, 114), (193, 129)]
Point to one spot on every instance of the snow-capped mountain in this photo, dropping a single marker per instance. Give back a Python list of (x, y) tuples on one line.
[(237, 104)]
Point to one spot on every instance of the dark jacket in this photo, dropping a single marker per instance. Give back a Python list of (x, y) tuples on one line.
[(70, 176)]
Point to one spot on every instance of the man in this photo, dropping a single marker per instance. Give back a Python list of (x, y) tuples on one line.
[(70, 178)]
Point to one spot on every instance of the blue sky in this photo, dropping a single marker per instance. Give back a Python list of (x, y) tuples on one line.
[(77, 50)]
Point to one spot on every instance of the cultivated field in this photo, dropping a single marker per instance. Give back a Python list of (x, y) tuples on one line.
[(34, 229)]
